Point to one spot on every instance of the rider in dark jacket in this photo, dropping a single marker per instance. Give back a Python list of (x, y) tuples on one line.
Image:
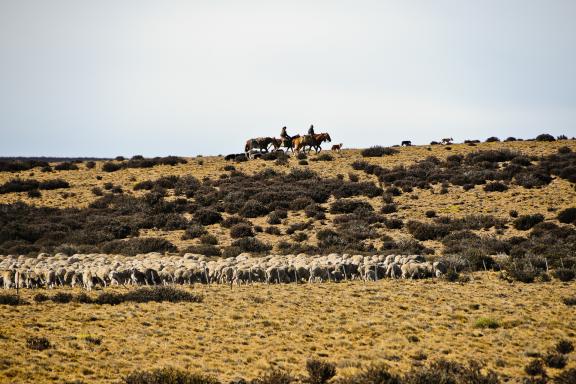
[(284, 135), (311, 130)]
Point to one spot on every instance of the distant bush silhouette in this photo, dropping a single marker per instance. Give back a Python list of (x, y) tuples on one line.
[(378, 151)]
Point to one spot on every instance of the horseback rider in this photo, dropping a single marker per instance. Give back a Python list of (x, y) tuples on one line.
[(311, 130), (284, 135)]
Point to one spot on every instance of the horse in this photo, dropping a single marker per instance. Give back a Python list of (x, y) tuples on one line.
[(311, 141), (261, 144), (280, 143), (406, 143), (447, 140)]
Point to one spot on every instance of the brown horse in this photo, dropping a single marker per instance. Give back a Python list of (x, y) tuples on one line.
[(311, 141), (280, 143)]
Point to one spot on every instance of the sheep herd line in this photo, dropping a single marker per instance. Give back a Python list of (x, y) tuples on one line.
[(90, 270)]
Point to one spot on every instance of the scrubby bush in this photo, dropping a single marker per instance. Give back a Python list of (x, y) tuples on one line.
[(144, 185), (319, 372), (492, 139), (424, 231), (486, 322), (136, 246), (555, 360), (448, 372), (567, 216), (389, 208), (276, 217), (566, 377), (241, 230), (349, 206), (111, 167), (378, 151), (374, 374), (168, 376), (564, 346), (202, 249), (66, 166), (90, 165), (525, 222), (545, 137), (38, 343), (253, 208), (495, 187), (251, 244), (208, 239), (10, 299), (323, 157), (206, 216), (62, 297), (564, 274), (194, 231), (34, 194)]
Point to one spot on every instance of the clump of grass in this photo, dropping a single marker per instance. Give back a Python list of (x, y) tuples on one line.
[(168, 376), (486, 322), (94, 340), (564, 346), (11, 299), (38, 343), (319, 372)]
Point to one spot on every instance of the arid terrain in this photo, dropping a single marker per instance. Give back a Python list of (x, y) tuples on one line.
[(498, 214)]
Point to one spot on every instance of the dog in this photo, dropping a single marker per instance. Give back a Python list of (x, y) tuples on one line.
[(337, 147)]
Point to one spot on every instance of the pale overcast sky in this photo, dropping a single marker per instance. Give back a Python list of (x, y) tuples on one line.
[(111, 77)]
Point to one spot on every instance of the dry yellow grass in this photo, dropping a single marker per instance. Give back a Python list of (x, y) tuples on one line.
[(240, 332)]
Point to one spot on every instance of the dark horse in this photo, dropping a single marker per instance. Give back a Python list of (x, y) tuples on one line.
[(261, 144)]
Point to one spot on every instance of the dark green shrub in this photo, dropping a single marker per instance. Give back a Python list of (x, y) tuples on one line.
[(40, 298), (90, 164), (567, 216), (566, 377), (208, 239), (34, 194), (349, 206), (378, 151), (274, 376), (253, 208), (555, 360), (251, 244), (525, 222), (492, 139), (569, 301), (564, 274), (62, 297), (194, 231), (495, 187), (202, 249), (241, 230), (10, 299), (66, 166), (535, 368), (545, 137), (136, 246), (207, 216), (564, 347), (144, 185), (111, 167)]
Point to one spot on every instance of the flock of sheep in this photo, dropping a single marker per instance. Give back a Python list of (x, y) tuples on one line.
[(89, 270)]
